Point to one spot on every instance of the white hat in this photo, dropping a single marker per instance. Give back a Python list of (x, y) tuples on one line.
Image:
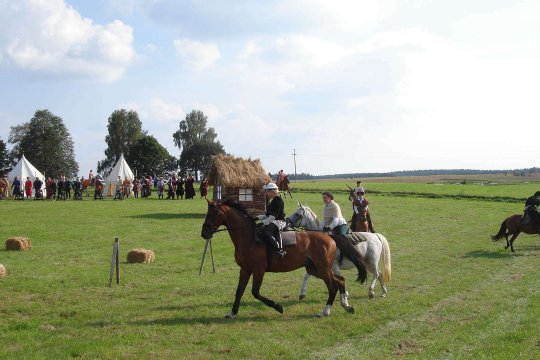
[(270, 187)]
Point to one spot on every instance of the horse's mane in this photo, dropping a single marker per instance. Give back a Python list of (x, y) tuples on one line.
[(313, 215), (238, 206)]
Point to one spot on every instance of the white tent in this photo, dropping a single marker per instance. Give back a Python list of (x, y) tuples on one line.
[(120, 169), (24, 169)]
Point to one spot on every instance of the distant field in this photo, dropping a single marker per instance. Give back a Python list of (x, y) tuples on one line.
[(455, 294)]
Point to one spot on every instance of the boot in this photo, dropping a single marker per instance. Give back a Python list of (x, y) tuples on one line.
[(277, 246)]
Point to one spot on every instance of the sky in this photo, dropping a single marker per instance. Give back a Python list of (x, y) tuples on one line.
[(349, 85)]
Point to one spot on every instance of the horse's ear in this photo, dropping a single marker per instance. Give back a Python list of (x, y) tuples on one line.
[(298, 204)]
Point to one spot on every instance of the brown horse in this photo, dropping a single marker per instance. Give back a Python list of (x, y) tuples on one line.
[(314, 250), (359, 222), (283, 186), (512, 226)]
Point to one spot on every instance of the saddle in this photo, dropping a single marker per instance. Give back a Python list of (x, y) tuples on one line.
[(530, 216), (288, 237)]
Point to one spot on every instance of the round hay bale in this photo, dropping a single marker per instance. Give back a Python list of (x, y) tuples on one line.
[(2, 271), (140, 256), (18, 243)]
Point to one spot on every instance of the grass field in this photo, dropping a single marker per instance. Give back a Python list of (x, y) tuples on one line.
[(454, 293)]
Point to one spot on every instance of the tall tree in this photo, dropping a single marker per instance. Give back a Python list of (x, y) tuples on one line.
[(197, 143), (125, 129), (148, 156), (6, 163), (46, 143)]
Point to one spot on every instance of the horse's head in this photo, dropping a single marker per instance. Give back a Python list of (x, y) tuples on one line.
[(297, 218), (213, 220), (304, 217)]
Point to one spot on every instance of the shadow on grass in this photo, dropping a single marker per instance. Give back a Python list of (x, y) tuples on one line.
[(167, 216), (491, 254)]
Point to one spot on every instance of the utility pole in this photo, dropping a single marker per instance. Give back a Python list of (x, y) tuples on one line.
[(294, 157)]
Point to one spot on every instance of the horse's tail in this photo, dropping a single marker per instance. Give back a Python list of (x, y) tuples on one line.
[(386, 259), (345, 246), (501, 232)]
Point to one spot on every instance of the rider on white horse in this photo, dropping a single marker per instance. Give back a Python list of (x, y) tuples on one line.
[(332, 218)]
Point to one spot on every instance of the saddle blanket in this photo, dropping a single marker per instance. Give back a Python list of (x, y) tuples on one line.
[(357, 237), (288, 238)]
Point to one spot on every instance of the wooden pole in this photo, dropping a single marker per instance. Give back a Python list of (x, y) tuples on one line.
[(204, 254), (117, 245), (212, 255), (115, 263)]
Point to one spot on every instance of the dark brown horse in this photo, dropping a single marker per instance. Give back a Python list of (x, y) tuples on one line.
[(512, 226), (359, 222), (283, 186), (314, 250)]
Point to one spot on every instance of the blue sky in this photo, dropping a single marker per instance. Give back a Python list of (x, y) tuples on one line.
[(353, 86)]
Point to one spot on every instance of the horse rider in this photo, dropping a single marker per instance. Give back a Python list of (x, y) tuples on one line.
[(360, 202), (280, 177), (332, 218), (358, 187), (274, 219), (531, 215)]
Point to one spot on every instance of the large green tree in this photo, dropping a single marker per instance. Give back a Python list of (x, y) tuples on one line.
[(46, 143), (197, 142), (5, 159), (124, 129), (147, 156)]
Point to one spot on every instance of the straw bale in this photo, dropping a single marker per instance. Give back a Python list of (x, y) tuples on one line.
[(2, 271), (18, 243), (140, 256), (234, 172)]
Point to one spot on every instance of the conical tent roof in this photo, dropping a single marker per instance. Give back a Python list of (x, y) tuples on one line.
[(121, 169), (25, 169)]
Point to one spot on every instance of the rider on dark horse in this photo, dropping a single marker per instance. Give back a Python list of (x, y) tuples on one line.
[(531, 214), (274, 219), (360, 202)]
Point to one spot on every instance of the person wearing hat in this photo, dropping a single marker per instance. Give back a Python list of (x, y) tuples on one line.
[(360, 202), (274, 218), (358, 187), (332, 218), (531, 215)]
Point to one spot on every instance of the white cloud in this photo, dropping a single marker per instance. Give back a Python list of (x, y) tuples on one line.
[(195, 54), (51, 37)]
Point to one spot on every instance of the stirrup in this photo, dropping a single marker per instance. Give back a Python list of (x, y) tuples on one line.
[(281, 253)]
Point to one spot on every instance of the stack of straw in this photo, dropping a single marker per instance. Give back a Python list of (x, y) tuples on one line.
[(18, 243), (140, 256)]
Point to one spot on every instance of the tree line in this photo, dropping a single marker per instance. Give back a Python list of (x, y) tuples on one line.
[(47, 144)]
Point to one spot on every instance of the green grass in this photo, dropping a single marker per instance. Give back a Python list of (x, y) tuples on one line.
[(454, 293)]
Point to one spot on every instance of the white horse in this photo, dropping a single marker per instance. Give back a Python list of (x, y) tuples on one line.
[(371, 249)]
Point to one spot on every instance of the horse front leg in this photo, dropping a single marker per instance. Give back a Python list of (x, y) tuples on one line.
[(343, 295), (255, 291), (303, 288), (337, 272), (242, 283)]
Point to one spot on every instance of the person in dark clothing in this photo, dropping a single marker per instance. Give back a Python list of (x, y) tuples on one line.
[(180, 189), (190, 189), (38, 184), (531, 214), (274, 218)]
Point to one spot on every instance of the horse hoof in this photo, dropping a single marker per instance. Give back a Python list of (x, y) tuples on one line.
[(350, 310), (279, 308), (383, 295), (321, 315), (371, 295), (229, 316), (301, 297)]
